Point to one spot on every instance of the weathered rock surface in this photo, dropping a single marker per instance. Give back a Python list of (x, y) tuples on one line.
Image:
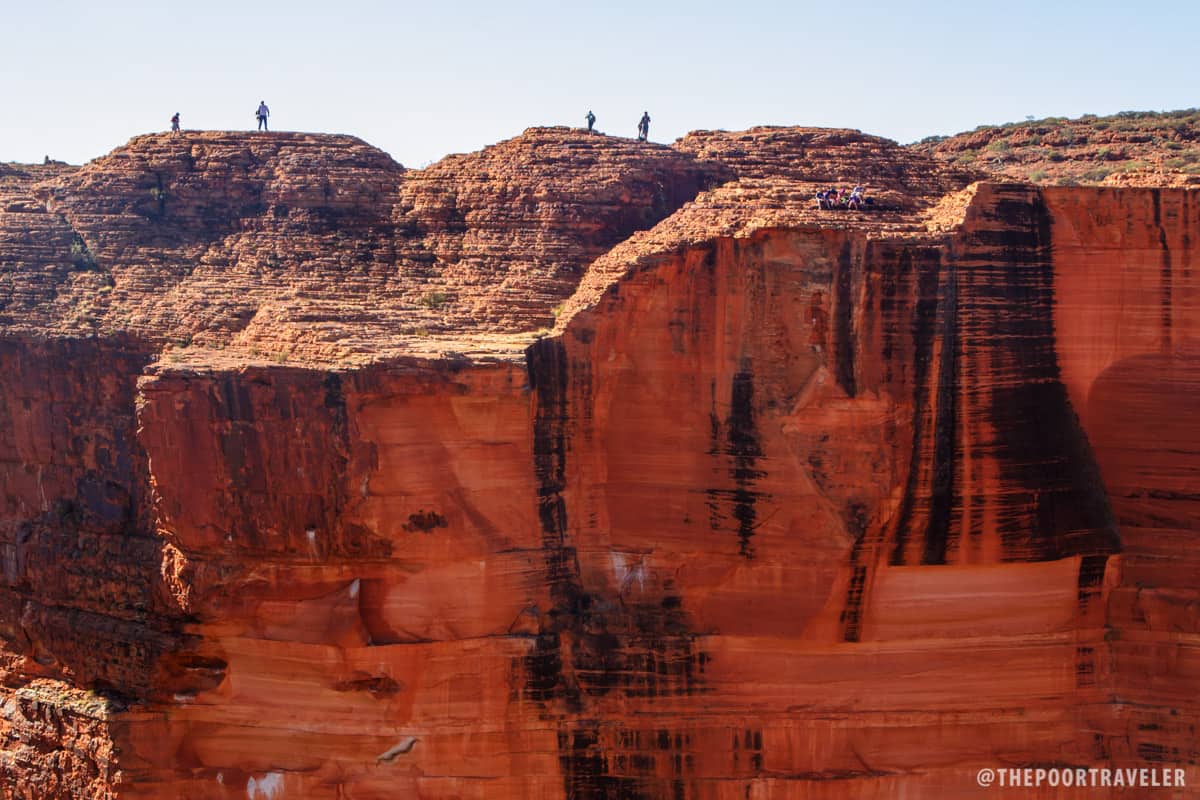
[(790, 503), (1127, 149)]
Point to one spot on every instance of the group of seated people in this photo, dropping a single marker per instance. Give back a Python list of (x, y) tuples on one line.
[(833, 198)]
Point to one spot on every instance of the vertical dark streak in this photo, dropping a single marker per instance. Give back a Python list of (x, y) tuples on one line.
[(743, 446), (911, 287), (1041, 447), (590, 644), (1165, 277), (335, 403), (1091, 574), (945, 439), (844, 321), (923, 328)]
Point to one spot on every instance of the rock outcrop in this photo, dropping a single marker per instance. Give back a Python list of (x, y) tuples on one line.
[(581, 467), (1149, 149)]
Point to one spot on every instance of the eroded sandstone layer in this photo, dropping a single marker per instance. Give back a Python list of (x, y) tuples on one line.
[(1132, 148), (587, 468)]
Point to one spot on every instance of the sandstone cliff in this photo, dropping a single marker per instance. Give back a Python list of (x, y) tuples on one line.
[(579, 467)]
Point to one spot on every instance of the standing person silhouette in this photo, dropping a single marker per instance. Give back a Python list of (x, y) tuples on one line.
[(175, 124), (262, 114), (644, 127), (591, 120)]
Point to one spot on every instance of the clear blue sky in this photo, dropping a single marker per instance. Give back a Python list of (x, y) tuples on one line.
[(421, 80)]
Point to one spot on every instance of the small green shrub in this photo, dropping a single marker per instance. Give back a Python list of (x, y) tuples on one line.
[(80, 256), (1096, 174)]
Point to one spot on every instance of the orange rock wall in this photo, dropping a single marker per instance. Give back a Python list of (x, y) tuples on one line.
[(807, 514), (359, 552), (800, 515), (80, 570), (83, 621), (1128, 315)]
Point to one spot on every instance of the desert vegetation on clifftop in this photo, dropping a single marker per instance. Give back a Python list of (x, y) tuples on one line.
[(1146, 148)]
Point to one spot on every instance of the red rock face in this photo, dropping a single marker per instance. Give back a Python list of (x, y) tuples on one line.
[(1132, 376), (833, 507)]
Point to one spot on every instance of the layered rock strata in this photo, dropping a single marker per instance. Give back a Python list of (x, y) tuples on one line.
[(790, 503), (1127, 149)]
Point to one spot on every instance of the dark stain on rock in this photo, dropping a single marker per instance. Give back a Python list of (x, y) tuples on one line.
[(742, 447), (945, 435), (890, 300), (855, 515), (1091, 576), (589, 645), (924, 327), (621, 762), (1085, 667), (1043, 450), (424, 521), (851, 617), (1165, 276), (335, 405), (844, 318), (374, 685)]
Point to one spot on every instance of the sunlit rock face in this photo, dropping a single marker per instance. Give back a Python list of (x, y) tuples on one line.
[(582, 468)]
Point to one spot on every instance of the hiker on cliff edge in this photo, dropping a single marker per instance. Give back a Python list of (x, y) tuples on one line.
[(262, 114), (175, 124), (644, 127), (591, 120)]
